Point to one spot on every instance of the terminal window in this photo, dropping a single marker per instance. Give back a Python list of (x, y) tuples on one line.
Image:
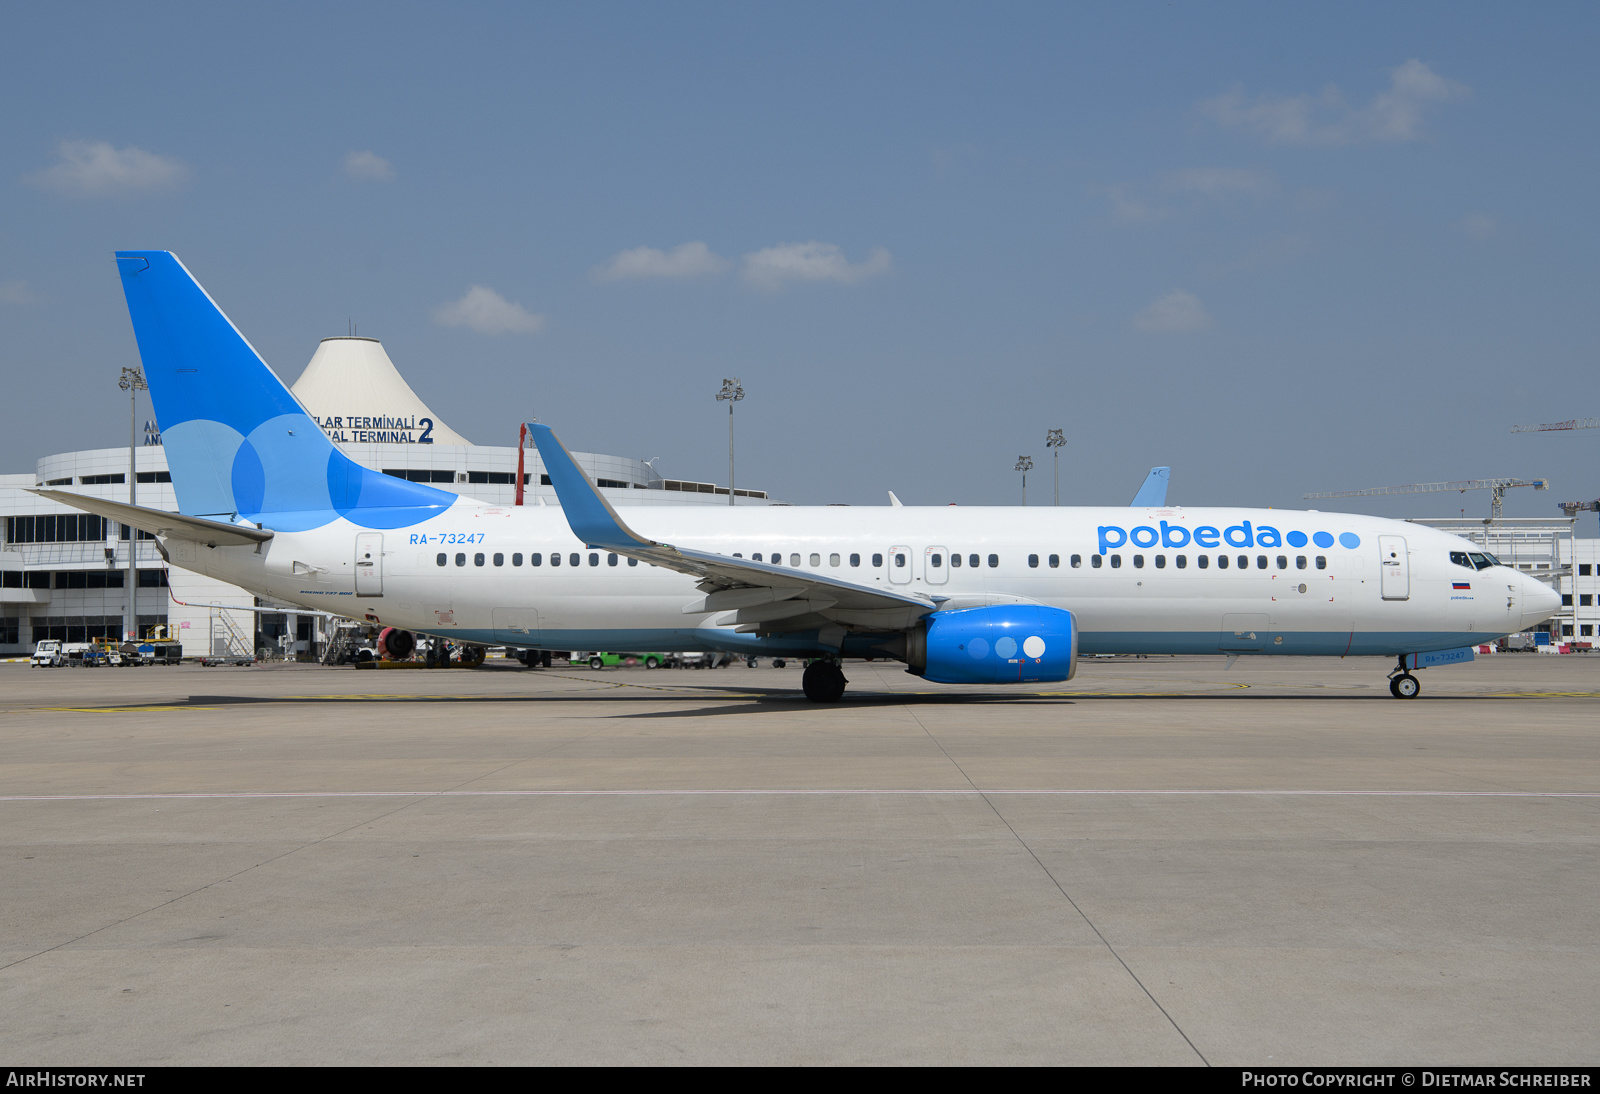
[(153, 476), (10, 631), (415, 474), (102, 480), (56, 528)]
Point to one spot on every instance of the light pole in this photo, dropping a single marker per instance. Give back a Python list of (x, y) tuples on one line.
[(1024, 464), (1056, 441), (133, 382), (731, 393)]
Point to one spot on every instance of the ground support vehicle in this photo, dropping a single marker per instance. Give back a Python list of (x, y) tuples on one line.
[(47, 654)]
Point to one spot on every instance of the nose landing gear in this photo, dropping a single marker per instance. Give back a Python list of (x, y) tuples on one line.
[(1402, 685), (823, 681)]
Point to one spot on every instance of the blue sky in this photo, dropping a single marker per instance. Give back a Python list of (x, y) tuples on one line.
[(1280, 247)]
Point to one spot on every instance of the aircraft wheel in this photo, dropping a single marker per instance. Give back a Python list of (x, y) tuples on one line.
[(778, 662), (823, 682), (1405, 686)]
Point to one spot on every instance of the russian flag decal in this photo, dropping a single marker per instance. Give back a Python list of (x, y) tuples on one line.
[(1462, 585)]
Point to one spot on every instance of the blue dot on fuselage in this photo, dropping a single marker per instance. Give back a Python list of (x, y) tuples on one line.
[(1350, 540), (1296, 539), (1323, 539)]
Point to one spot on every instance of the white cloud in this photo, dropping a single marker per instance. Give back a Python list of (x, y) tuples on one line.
[(1216, 181), (1176, 311), (685, 260), (368, 167), (1478, 225), (487, 312), (17, 292), (770, 267), (1130, 210), (94, 167), (1328, 119)]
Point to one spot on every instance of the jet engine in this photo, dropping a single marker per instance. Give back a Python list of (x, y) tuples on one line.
[(395, 644), (999, 644)]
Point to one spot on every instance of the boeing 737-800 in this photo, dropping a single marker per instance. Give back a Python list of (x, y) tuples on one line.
[(961, 595)]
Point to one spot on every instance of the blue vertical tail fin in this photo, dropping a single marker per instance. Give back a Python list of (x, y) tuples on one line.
[(1154, 490), (238, 444)]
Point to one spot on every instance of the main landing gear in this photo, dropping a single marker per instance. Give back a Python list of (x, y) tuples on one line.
[(823, 681), (1402, 685)]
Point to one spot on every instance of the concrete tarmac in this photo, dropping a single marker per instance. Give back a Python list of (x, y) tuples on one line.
[(1161, 862)]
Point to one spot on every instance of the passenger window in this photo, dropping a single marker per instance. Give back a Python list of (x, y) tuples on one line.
[(1299, 562), (594, 558), (1033, 562), (516, 559), (777, 558), (1261, 562), (1322, 562), (994, 560), (536, 559), (443, 559), (1161, 562), (972, 560), (756, 557), (1222, 562), (1244, 562), (633, 562), (833, 560), (1283, 562), (477, 559), (794, 559), (936, 561), (877, 560), (1116, 562), (611, 560), (1183, 560), (955, 560), (1202, 561), (736, 554), (855, 560), (555, 558), (899, 560), (572, 559), (816, 559), (1138, 562), (1077, 561), (461, 560), (499, 559), (1055, 562)]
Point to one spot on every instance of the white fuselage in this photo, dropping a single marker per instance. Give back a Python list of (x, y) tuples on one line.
[(1134, 578)]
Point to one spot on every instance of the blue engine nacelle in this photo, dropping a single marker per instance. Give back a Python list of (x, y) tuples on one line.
[(1000, 644)]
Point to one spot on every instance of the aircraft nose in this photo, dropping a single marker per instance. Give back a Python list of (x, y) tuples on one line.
[(1539, 601)]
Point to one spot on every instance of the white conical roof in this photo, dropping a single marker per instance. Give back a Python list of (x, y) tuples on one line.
[(351, 387)]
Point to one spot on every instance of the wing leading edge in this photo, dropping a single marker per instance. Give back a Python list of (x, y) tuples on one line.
[(763, 598)]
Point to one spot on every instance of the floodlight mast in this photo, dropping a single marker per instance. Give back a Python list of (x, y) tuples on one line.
[(1056, 440), (133, 382), (1024, 464), (731, 393)]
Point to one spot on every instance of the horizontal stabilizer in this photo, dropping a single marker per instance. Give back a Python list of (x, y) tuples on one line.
[(1154, 490), (159, 522)]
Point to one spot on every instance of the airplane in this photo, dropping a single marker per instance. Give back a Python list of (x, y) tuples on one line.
[(962, 596)]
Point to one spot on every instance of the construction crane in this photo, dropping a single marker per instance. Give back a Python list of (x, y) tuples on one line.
[(1570, 423), (1497, 498), (1573, 508)]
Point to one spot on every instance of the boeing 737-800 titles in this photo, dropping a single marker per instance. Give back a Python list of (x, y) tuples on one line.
[(961, 595)]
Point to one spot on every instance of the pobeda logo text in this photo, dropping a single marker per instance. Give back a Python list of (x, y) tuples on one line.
[(1239, 535)]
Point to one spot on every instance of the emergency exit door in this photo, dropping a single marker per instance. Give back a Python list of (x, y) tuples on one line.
[(1396, 567), (369, 564)]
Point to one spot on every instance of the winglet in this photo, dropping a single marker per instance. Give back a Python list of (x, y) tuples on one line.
[(589, 514), (895, 502), (1154, 490)]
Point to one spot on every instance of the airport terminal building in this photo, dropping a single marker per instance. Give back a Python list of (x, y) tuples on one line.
[(65, 573)]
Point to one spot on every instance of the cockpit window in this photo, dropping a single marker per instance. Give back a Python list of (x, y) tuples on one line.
[(1480, 561), (1460, 559)]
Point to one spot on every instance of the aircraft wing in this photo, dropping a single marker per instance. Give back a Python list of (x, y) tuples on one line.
[(1154, 490), (159, 522), (764, 597)]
